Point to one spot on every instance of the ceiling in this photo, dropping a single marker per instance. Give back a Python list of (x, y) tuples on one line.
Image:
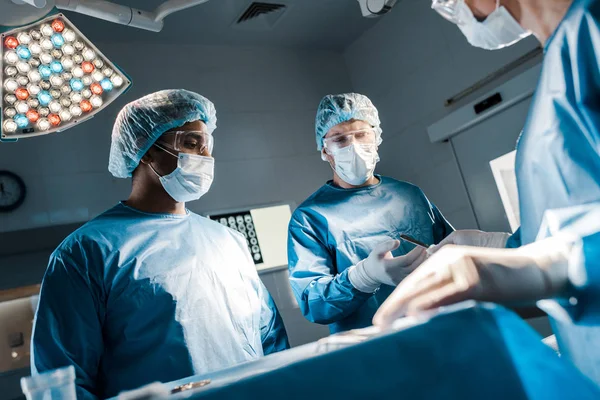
[(312, 24)]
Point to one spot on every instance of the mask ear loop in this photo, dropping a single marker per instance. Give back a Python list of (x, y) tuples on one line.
[(166, 151)]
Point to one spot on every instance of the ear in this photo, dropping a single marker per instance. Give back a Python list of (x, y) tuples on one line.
[(324, 155), (146, 158)]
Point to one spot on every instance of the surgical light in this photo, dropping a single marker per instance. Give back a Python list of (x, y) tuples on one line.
[(78, 72), (11, 42), (22, 94), (56, 67), (44, 98), (23, 68), (35, 48), (68, 49), (9, 125), (43, 124), (11, 57), (69, 35), (97, 76), (22, 107), (21, 121), (33, 103), (87, 67), (57, 40), (45, 58), (33, 116), (85, 106), (23, 52), (46, 44), (11, 85), (54, 119), (96, 88), (53, 78), (106, 84), (24, 38), (67, 63)]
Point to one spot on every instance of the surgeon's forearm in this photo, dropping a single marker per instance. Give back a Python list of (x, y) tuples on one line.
[(329, 299)]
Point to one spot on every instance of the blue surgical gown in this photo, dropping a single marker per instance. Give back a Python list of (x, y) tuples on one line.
[(558, 176), (132, 298), (336, 228)]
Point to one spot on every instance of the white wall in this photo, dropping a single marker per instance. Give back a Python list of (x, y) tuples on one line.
[(409, 64), (264, 144)]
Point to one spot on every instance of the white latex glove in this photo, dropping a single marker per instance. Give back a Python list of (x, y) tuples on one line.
[(381, 267), (456, 273), (473, 238)]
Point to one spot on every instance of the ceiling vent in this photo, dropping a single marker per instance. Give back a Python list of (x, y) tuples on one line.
[(260, 16)]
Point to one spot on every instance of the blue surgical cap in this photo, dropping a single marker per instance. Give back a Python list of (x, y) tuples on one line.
[(337, 108), (141, 122)]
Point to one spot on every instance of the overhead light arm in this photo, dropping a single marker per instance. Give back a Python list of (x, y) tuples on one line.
[(376, 8), (102, 9), (108, 11), (35, 3)]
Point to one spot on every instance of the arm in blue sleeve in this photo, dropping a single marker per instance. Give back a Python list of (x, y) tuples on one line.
[(441, 227), (324, 296), (514, 240), (67, 329), (272, 330)]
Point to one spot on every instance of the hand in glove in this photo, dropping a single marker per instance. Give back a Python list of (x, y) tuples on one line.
[(381, 267), (456, 273)]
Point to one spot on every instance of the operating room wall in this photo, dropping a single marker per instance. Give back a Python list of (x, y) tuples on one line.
[(409, 63), (265, 152)]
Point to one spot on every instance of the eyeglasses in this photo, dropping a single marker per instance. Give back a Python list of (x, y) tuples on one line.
[(343, 140), (193, 142)]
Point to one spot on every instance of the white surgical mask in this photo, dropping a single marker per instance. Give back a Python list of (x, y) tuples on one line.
[(191, 179), (356, 163), (499, 30)]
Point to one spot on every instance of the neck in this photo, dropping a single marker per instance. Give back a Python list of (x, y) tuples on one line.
[(153, 199), (541, 17), (337, 181)]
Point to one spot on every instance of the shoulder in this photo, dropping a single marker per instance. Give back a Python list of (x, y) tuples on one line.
[(95, 235), (402, 187), (311, 206), (218, 230), (582, 19)]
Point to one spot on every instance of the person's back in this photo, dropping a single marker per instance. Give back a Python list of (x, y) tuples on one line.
[(558, 173), (553, 257)]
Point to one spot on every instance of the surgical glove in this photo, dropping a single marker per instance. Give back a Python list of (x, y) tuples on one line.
[(457, 273), (381, 267), (473, 238)]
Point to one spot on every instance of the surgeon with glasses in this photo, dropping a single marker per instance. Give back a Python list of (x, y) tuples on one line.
[(344, 252), (149, 291)]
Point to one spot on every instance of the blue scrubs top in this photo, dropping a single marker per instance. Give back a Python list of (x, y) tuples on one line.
[(336, 228), (558, 176), (133, 298)]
